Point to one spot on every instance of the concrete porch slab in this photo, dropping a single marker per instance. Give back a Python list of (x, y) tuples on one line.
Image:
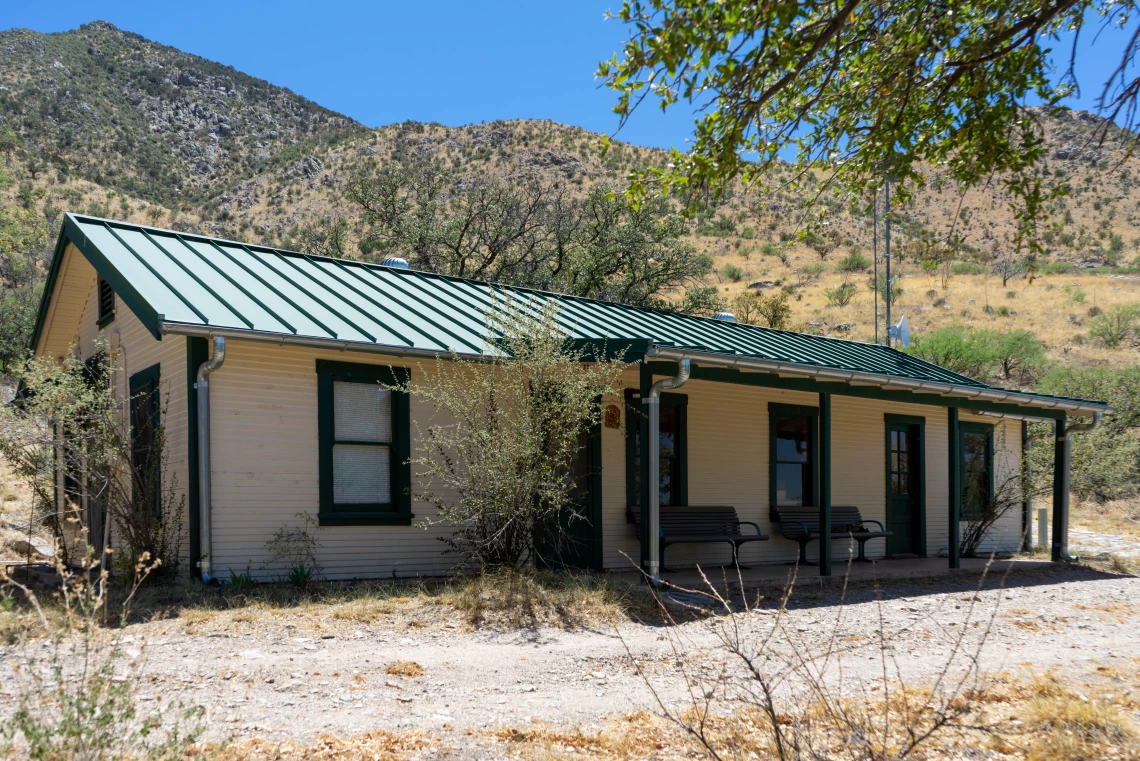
[(881, 570)]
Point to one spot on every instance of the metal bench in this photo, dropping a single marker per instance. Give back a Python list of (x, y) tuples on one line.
[(801, 524), (700, 524)]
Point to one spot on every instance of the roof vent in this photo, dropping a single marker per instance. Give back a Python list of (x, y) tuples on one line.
[(396, 261), (725, 317)]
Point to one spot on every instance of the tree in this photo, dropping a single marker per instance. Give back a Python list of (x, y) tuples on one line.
[(703, 301), (531, 232), (1105, 462), (1008, 268), (964, 351), (9, 141), (861, 89), (325, 235), (1020, 357), (24, 254), (70, 419), (497, 461), (1016, 356), (774, 311)]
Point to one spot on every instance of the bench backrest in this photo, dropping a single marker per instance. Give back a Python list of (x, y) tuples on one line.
[(790, 518), (680, 520)]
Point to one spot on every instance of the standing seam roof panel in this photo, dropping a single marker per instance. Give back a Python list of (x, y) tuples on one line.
[(233, 285)]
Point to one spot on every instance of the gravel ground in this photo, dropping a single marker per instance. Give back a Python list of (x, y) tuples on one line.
[(281, 677)]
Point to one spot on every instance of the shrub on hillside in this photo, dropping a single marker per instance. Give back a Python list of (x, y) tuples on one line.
[(1116, 326), (841, 295), (732, 272), (853, 262)]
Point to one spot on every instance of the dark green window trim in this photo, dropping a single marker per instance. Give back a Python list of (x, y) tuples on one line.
[(778, 410), (106, 297), (680, 403), (889, 420), (968, 514), (135, 386), (398, 512)]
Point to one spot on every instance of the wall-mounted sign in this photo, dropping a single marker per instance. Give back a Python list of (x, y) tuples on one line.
[(612, 416)]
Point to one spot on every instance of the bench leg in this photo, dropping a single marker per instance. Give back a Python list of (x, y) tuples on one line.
[(803, 553), (736, 557), (863, 552)]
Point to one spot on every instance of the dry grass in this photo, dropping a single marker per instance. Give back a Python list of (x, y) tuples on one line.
[(379, 745), (1040, 719), (494, 600), (1121, 517), (408, 669)]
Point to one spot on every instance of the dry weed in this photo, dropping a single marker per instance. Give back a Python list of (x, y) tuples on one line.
[(404, 668), (378, 745)]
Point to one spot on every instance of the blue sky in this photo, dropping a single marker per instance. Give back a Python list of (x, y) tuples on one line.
[(447, 61)]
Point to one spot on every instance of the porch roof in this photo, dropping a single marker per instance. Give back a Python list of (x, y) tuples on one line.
[(181, 283)]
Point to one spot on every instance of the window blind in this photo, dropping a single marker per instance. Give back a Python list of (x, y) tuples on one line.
[(362, 453)]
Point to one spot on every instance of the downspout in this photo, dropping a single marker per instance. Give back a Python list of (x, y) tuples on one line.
[(652, 529), (203, 387), (1061, 482)]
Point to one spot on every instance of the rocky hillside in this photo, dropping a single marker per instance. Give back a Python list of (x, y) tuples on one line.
[(148, 120)]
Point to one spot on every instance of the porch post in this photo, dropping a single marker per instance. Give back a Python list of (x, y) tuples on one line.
[(955, 507), (1026, 497), (825, 484), (646, 382), (1061, 452)]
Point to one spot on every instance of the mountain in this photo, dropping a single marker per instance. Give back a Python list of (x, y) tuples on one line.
[(148, 120), (102, 121)]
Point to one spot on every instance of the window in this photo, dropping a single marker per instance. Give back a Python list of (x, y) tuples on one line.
[(793, 455), (106, 303), (977, 467), (672, 458), (145, 440), (365, 477)]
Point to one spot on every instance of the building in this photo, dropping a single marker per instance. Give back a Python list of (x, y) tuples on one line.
[(765, 419)]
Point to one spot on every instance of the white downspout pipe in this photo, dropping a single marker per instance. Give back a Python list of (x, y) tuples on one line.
[(203, 387), (653, 404)]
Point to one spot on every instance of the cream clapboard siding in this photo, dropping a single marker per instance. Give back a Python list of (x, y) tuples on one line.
[(728, 465), (265, 470), (265, 467), (72, 324)]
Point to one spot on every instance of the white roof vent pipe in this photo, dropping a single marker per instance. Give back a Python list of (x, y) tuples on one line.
[(396, 261), (725, 317)]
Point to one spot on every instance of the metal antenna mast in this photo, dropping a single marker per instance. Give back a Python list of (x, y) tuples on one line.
[(887, 254), (875, 259)]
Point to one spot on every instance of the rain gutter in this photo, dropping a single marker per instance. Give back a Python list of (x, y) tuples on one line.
[(656, 351)]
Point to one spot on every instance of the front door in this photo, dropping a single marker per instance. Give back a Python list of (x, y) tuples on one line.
[(904, 487), (576, 541)]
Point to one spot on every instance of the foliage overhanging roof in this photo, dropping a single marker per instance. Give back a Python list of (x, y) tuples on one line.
[(183, 283)]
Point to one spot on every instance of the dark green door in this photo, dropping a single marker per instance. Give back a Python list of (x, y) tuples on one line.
[(904, 487), (576, 542)]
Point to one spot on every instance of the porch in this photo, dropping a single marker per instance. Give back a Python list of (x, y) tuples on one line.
[(850, 452)]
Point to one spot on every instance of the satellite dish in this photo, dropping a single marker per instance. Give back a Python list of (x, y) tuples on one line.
[(902, 332)]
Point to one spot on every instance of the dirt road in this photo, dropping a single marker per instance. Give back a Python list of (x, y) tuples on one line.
[(287, 676)]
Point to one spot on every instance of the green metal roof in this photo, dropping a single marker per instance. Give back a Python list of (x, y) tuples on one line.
[(178, 282)]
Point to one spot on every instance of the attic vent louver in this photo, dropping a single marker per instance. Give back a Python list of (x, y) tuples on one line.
[(395, 261), (725, 316)]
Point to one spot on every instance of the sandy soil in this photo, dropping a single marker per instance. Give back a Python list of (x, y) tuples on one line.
[(280, 677)]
